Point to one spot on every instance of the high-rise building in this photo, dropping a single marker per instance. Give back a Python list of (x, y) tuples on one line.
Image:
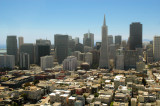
[(61, 47), (70, 63), (89, 58), (95, 56), (79, 47), (42, 41), (12, 46), (7, 61), (20, 41), (112, 52), (98, 45), (120, 59), (46, 62), (42, 50), (88, 39), (118, 39), (104, 47), (76, 40), (24, 61), (110, 39), (71, 46), (135, 39), (130, 59), (29, 48), (156, 48)]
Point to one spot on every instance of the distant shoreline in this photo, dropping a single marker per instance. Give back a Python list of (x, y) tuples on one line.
[(2, 46)]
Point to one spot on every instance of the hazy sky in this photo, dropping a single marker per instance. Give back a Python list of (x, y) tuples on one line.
[(34, 19)]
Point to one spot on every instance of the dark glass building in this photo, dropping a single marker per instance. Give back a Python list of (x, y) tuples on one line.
[(61, 47), (12, 46), (30, 49), (42, 50), (135, 39)]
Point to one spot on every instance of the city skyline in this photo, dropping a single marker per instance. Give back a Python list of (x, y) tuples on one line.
[(42, 19)]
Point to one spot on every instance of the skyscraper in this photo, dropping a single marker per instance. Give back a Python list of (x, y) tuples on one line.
[(135, 39), (88, 39), (61, 47), (30, 49), (24, 61), (118, 39), (156, 48), (104, 47), (12, 46), (41, 50), (20, 41)]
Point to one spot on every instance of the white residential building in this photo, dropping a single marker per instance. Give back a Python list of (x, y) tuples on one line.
[(7, 61), (88, 58), (70, 63), (24, 61), (46, 62)]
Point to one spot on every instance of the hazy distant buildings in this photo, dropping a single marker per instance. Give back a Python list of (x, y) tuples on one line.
[(104, 47), (20, 41), (98, 45), (76, 40), (61, 46), (30, 49), (110, 39), (118, 39), (24, 61), (88, 39), (79, 47), (135, 39), (70, 63), (42, 41), (46, 62), (12, 46), (156, 48), (87, 49), (7, 61), (71, 46), (89, 58)]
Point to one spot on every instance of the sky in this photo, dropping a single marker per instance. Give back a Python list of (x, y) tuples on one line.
[(35, 19)]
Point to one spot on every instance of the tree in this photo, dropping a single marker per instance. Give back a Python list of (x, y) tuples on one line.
[(24, 95), (144, 81), (35, 82), (96, 94)]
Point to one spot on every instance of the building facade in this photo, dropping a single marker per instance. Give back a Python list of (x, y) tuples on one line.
[(7, 61), (61, 47), (70, 63), (46, 62), (156, 48), (118, 39), (29, 48), (130, 59), (12, 46), (42, 50), (120, 59), (135, 39), (24, 61), (88, 39), (20, 41), (110, 39)]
